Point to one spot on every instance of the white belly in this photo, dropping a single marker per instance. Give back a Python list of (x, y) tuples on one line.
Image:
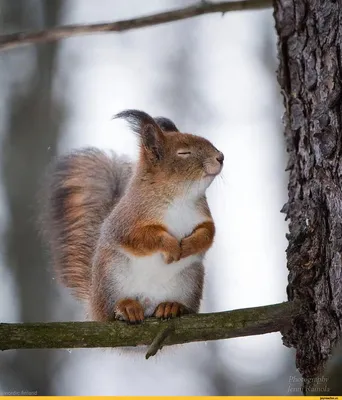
[(152, 281)]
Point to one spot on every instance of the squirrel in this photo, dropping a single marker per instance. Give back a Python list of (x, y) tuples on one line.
[(129, 239)]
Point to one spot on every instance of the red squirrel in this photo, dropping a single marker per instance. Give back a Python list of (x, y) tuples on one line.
[(130, 239)]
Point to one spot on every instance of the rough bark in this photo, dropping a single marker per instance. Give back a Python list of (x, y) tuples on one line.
[(199, 327), (309, 74)]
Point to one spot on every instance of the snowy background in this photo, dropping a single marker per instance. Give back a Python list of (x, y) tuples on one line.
[(214, 76)]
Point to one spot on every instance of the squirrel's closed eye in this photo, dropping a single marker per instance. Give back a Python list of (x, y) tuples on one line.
[(183, 153)]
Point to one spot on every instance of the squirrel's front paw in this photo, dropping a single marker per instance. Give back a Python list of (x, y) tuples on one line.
[(172, 250), (170, 310), (189, 247), (171, 257), (129, 310)]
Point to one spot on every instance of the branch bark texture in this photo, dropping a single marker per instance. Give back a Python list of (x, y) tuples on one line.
[(204, 7), (191, 328), (310, 75)]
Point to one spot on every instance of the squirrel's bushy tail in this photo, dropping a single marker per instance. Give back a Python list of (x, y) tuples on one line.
[(81, 189)]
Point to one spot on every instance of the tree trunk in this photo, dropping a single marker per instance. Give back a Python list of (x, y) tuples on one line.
[(33, 127), (310, 76)]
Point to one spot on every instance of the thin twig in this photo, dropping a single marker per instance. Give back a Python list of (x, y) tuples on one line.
[(23, 38), (159, 340), (189, 328)]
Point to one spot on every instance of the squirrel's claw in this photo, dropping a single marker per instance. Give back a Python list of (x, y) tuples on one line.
[(169, 310), (175, 255), (129, 310), (170, 258)]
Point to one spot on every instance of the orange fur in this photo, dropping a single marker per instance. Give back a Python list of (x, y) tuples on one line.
[(129, 310), (168, 310), (199, 241), (146, 240)]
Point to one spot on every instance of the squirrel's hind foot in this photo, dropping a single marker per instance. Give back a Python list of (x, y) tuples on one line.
[(169, 310), (129, 310)]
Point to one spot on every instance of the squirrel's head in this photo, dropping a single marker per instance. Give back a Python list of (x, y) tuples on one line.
[(167, 154)]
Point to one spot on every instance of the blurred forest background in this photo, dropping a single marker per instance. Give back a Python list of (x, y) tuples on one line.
[(214, 76)]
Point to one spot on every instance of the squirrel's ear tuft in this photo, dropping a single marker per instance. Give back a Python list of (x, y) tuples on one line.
[(151, 135), (137, 119), (166, 124)]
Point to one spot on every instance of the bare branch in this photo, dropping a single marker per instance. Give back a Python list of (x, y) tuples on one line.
[(204, 7), (189, 328), (159, 340)]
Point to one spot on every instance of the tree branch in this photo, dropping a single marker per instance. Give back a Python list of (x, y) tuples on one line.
[(204, 7), (189, 328), (159, 340)]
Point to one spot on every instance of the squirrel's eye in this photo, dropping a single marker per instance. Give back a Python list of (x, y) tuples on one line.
[(183, 153)]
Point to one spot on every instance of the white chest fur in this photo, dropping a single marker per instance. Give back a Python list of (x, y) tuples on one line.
[(152, 281), (181, 217)]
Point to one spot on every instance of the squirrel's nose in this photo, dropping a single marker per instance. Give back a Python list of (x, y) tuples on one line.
[(220, 158)]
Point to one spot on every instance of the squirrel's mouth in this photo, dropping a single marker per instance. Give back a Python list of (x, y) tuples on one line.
[(212, 167), (211, 176), (212, 171)]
